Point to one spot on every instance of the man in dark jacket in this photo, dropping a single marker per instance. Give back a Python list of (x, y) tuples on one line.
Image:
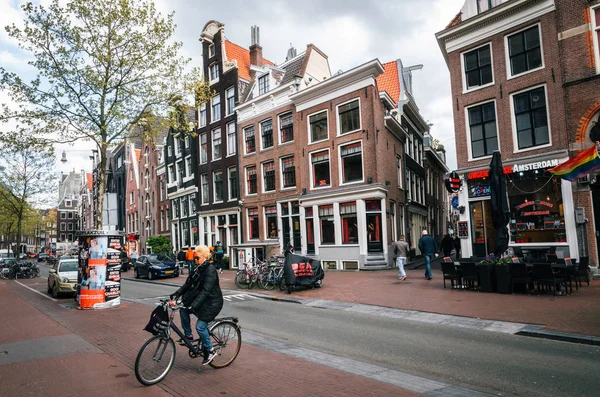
[(181, 259), (200, 295), (446, 245), (428, 248)]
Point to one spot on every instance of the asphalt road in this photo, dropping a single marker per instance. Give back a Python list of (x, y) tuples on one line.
[(490, 362)]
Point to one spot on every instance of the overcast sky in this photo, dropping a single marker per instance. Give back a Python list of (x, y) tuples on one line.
[(350, 32)]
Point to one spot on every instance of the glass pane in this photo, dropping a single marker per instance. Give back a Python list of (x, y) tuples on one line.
[(541, 135), (490, 129), (471, 60), (476, 132), (518, 64), (478, 149), (523, 122), (524, 138), (352, 168), (515, 44), (492, 145), (532, 38), (539, 118), (534, 58), (475, 115), (521, 103), (484, 56), (537, 98), (488, 112), (486, 74), (473, 78)]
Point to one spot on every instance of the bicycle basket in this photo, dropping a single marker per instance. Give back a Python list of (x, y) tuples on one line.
[(159, 321)]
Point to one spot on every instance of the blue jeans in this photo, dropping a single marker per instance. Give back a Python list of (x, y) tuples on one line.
[(201, 327), (400, 261), (427, 266)]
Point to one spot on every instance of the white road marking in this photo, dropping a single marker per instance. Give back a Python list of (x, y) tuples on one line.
[(238, 296), (36, 291)]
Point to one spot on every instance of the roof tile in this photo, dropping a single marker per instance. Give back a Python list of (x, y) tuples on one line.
[(388, 81), (242, 56), (456, 20)]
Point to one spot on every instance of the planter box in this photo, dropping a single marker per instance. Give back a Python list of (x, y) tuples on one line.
[(503, 284), (487, 278)]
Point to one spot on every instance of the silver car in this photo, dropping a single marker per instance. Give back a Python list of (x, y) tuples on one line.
[(62, 278)]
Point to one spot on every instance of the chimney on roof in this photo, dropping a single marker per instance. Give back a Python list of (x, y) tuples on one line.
[(291, 53), (255, 49)]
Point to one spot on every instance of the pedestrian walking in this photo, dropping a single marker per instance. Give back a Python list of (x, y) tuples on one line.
[(456, 242), (447, 245), (134, 257), (219, 253), (181, 259), (428, 248), (401, 252), (189, 258)]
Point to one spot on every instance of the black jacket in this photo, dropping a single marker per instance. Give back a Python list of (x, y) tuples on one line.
[(202, 293), (447, 244), (181, 256)]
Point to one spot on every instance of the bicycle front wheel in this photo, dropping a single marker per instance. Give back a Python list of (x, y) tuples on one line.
[(226, 338), (241, 279), (154, 360)]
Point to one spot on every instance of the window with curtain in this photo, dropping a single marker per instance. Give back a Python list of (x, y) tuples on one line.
[(204, 183), (320, 168), (351, 156), (231, 141), (288, 171), (203, 148), (271, 221), (251, 183), (286, 126), (327, 224), (310, 237), (216, 107), (202, 115), (216, 135), (266, 128), (349, 223), (253, 223), (250, 140)]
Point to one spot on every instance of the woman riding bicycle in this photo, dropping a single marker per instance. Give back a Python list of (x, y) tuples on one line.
[(200, 295)]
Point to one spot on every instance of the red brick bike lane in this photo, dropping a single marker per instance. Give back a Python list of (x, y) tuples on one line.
[(577, 313), (118, 332)]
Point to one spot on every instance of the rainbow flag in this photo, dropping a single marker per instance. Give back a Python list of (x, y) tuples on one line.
[(584, 163)]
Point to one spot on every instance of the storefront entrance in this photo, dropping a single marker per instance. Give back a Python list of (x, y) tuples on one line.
[(484, 232)]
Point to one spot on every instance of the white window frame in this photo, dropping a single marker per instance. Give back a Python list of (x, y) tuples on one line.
[(312, 182), (191, 204), (169, 151), (246, 180), (63, 215), (281, 182), (463, 70), (310, 142), (510, 76), (244, 138), (231, 144), (340, 170), (229, 198), (264, 77), (279, 141), (63, 236), (216, 152), (595, 32), (68, 203), (216, 79), (400, 171), (262, 171), (260, 124), (201, 115), (177, 145), (204, 197), (186, 141), (337, 118), (205, 135), (211, 50), (229, 110), (214, 179), (249, 229), (513, 120), (212, 105), (170, 181), (131, 198), (468, 130), (265, 221), (188, 168)]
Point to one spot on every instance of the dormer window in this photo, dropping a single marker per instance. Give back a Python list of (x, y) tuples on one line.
[(263, 84), (211, 50), (484, 5)]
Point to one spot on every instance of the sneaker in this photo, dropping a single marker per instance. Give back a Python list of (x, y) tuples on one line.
[(182, 342), (209, 357)]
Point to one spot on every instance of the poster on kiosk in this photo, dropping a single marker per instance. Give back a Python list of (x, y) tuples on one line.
[(99, 270)]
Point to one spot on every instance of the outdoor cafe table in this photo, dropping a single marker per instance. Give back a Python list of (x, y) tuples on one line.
[(566, 271)]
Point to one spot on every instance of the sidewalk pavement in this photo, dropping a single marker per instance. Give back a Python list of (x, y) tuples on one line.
[(578, 313), (52, 349)]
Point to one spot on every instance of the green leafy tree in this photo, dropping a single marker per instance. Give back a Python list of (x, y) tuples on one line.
[(26, 179), (103, 68), (160, 245)]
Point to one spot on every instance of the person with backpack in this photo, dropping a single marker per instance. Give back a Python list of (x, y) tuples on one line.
[(219, 253)]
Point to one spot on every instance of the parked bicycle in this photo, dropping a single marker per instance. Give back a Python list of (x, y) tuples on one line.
[(18, 269), (156, 357)]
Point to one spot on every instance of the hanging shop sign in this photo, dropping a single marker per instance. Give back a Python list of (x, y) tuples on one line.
[(511, 169), (453, 182), (463, 229), (455, 202)]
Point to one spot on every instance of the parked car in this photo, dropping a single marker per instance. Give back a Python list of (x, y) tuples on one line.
[(62, 278), (23, 255), (42, 257), (156, 265), (32, 255)]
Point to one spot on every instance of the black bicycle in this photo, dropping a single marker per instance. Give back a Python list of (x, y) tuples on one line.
[(157, 356)]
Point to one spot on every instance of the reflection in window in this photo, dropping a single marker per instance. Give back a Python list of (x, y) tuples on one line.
[(349, 117), (327, 224), (531, 118), (318, 127)]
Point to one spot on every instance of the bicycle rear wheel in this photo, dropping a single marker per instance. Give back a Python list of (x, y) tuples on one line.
[(241, 279), (154, 360), (226, 338)]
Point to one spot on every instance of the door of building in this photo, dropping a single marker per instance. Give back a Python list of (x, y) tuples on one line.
[(484, 232), (374, 233)]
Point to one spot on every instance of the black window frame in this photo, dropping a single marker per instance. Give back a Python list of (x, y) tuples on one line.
[(288, 172), (263, 84), (526, 52), (532, 111), (266, 131), (480, 68), (347, 152), (322, 157), (315, 120), (268, 169), (477, 116), (346, 113), (250, 140), (286, 127), (251, 180)]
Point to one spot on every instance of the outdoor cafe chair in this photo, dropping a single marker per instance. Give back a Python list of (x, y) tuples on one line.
[(450, 273), (582, 271), (551, 258), (544, 276), (469, 275), (520, 275)]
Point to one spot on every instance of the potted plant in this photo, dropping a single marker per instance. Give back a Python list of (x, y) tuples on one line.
[(556, 237), (461, 209), (503, 281), (486, 271)]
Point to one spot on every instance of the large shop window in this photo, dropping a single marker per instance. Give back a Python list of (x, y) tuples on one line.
[(525, 51), (349, 117), (536, 206), (327, 224), (349, 223), (271, 221), (478, 67), (320, 164), (318, 127), (310, 237), (484, 136), (253, 223), (351, 156), (531, 118), (286, 125)]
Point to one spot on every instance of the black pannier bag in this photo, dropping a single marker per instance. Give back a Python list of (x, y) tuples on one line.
[(159, 321)]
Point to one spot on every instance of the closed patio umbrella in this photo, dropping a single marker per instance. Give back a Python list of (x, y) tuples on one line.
[(499, 198)]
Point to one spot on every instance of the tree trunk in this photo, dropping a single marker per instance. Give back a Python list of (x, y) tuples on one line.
[(101, 187)]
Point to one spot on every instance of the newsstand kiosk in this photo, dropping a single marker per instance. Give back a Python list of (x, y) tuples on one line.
[(99, 269)]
